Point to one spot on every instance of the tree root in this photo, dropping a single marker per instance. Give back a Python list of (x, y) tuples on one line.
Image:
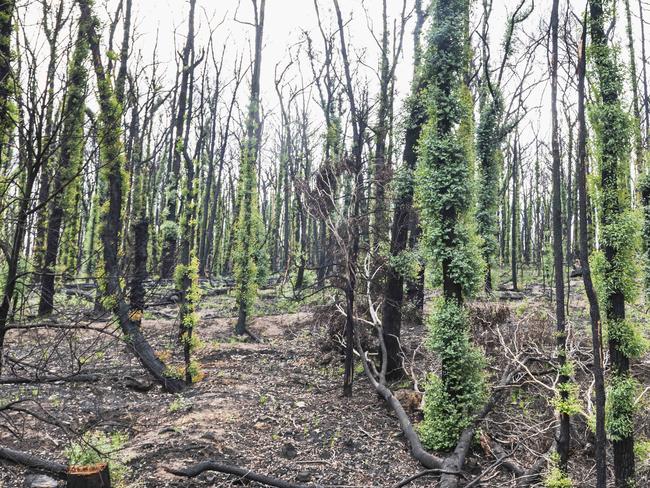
[(197, 469)]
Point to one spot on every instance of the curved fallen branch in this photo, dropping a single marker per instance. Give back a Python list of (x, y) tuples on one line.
[(197, 469), (425, 458), (31, 461)]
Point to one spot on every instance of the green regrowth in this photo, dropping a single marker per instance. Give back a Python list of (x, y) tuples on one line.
[(488, 148), (452, 397), (445, 196), (249, 254), (621, 407)]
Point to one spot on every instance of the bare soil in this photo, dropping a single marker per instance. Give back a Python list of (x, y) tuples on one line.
[(276, 407)]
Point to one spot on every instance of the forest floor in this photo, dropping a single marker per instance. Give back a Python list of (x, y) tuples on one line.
[(275, 406)]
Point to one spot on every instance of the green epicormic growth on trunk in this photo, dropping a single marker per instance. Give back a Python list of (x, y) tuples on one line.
[(72, 146), (113, 177), (8, 109), (489, 137), (615, 262), (249, 254), (445, 189)]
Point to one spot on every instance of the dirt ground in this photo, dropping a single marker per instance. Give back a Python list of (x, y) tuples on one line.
[(275, 406)]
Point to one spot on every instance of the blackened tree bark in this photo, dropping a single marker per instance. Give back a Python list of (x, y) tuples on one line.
[(247, 236), (514, 213), (355, 202), (66, 180), (402, 216), (612, 130), (594, 309), (564, 433), (170, 227)]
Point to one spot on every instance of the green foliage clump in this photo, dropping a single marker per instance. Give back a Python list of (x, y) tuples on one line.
[(642, 453), (566, 400), (179, 404), (407, 263), (453, 397), (97, 447), (627, 337), (169, 230), (620, 407), (556, 478), (619, 273)]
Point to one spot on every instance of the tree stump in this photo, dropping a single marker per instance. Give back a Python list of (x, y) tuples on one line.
[(95, 476)]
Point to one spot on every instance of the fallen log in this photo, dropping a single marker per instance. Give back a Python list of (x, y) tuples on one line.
[(76, 292), (143, 350), (247, 474), (25, 459), (74, 378)]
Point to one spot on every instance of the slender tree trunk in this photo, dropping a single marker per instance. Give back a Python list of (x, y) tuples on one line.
[(394, 289), (65, 187), (514, 214), (248, 211), (354, 228), (112, 159), (14, 258), (594, 310), (564, 433)]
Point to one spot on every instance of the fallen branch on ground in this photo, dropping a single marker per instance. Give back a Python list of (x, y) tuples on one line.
[(73, 378), (197, 469), (419, 453), (421, 474), (31, 461)]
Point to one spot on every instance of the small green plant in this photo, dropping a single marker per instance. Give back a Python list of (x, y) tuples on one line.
[(263, 399), (180, 403), (566, 401), (97, 447), (642, 453), (557, 479)]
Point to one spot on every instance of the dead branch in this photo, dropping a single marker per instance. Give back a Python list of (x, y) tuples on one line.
[(31, 461), (197, 469), (419, 453), (73, 378)]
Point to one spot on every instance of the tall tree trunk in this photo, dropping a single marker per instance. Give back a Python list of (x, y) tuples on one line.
[(594, 309), (394, 289), (354, 224), (248, 241), (616, 202), (112, 159), (66, 182), (564, 433), (170, 226), (514, 214)]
